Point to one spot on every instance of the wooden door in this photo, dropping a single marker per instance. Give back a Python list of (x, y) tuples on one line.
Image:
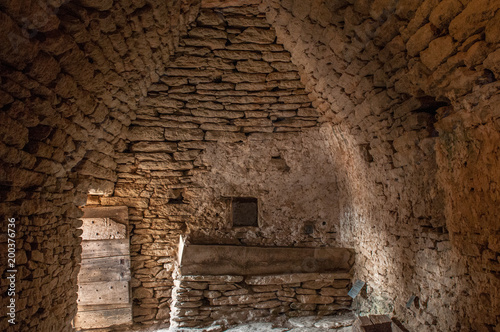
[(103, 282)]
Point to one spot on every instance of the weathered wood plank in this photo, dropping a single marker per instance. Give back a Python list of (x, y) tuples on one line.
[(102, 229), (103, 318), (105, 248), (115, 268), (119, 213), (103, 292), (96, 307)]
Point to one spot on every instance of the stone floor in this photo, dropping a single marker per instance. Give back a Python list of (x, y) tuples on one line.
[(340, 323), (336, 323)]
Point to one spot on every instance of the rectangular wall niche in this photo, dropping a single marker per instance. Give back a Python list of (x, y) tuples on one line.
[(245, 212)]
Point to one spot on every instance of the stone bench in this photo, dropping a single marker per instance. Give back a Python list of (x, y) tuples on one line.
[(227, 285)]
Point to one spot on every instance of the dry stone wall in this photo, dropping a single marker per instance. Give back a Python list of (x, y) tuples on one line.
[(398, 80), (71, 76), (225, 300), (407, 92), (230, 118)]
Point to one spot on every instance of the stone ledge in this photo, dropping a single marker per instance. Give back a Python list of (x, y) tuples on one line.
[(245, 261)]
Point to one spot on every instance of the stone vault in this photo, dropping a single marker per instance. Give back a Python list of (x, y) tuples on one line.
[(371, 125)]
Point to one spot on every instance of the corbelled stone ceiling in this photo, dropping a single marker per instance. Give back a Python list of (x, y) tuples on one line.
[(368, 125)]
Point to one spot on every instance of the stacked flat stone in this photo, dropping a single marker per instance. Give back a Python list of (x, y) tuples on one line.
[(228, 79), (200, 301)]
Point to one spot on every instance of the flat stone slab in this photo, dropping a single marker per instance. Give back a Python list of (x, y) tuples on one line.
[(326, 322), (331, 322), (291, 278), (302, 321), (244, 261), (318, 329), (210, 278), (257, 327)]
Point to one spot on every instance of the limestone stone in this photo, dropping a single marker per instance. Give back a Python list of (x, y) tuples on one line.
[(316, 299), (333, 291), (283, 66), (212, 278), (224, 136), (210, 18), (444, 12), (242, 299), (207, 33), (177, 134), (251, 66), (303, 291), (268, 288), (244, 77), (217, 114), (254, 35), (315, 284), (439, 49), (146, 134), (292, 278), (492, 30), (247, 21), (167, 147), (282, 76), (213, 44), (241, 291), (237, 55), (267, 304), (222, 287), (421, 39), (473, 17)]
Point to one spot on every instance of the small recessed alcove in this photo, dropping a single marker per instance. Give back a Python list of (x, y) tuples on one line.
[(244, 212)]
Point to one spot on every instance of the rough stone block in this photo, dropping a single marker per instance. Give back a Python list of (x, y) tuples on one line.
[(210, 18), (254, 35), (167, 147), (179, 134), (439, 49), (220, 136), (244, 77), (421, 39), (315, 299), (146, 134), (473, 18), (492, 31), (214, 44), (207, 33), (251, 66), (292, 278), (334, 291), (212, 278)]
